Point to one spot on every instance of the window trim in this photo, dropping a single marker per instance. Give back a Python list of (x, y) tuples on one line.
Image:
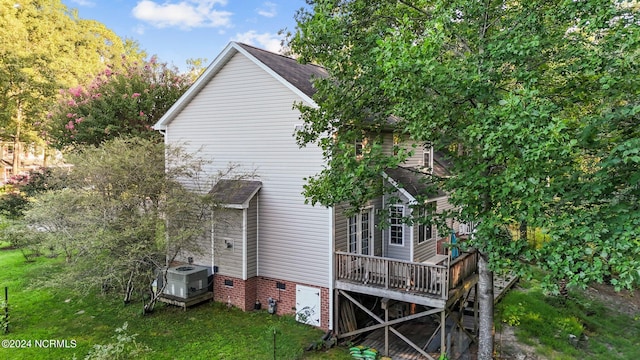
[(399, 226), (427, 151), (430, 206)]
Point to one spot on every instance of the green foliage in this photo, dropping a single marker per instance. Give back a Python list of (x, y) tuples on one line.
[(547, 322), (124, 347), (534, 104), (20, 236), (117, 103), (15, 194), (209, 330), (512, 314), (4, 316), (110, 219), (46, 47)]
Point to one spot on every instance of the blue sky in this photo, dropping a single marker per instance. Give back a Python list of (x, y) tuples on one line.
[(177, 30)]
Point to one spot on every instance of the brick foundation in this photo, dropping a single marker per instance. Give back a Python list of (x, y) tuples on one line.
[(243, 294)]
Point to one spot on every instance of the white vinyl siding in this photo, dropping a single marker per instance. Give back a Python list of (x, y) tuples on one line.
[(229, 242), (244, 116)]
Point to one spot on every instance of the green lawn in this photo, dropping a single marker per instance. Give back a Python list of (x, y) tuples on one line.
[(546, 323), (208, 331)]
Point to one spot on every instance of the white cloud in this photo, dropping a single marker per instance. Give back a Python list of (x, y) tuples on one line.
[(267, 41), (185, 14), (268, 9), (84, 3), (139, 29)]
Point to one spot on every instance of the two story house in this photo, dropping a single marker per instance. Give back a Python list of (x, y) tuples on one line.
[(274, 248)]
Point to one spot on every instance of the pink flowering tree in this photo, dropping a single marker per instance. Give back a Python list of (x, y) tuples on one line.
[(115, 104)]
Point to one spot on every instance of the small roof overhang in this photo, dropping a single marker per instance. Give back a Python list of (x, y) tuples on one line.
[(235, 194)]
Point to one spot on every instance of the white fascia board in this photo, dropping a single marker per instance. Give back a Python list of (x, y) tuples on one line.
[(412, 200), (245, 205)]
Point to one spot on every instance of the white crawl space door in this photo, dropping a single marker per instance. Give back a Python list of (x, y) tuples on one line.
[(308, 305)]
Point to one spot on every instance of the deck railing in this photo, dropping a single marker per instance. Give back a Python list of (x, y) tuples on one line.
[(462, 267), (387, 273), (393, 274)]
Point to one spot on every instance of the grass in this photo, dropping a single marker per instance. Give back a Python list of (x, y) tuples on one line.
[(208, 331), (546, 323)]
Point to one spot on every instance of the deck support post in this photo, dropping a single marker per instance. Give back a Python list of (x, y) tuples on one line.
[(443, 328), (385, 305), (476, 312), (336, 313)]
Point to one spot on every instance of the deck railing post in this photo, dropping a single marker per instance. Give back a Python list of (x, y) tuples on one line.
[(386, 274)]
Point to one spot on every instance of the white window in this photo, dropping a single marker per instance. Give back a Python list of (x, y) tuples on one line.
[(427, 158), (396, 227), (360, 232), (426, 231), (360, 147)]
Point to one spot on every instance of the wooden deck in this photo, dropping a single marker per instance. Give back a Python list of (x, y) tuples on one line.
[(418, 331), (420, 283)]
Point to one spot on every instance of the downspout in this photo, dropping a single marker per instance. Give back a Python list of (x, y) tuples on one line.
[(258, 235), (331, 265), (213, 243), (244, 244)]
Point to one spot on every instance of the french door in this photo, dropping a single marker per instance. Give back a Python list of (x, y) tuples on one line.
[(360, 232)]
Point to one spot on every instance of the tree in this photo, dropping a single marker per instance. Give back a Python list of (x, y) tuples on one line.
[(124, 216), (45, 47), (117, 103), (518, 95), (15, 194)]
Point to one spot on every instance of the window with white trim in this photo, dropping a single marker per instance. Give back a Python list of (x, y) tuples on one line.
[(426, 231), (427, 157), (396, 227)]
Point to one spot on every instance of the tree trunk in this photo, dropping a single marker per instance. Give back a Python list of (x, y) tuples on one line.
[(153, 299), (15, 169), (129, 289), (485, 303)]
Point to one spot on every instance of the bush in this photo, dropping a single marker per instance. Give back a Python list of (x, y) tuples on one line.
[(124, 347), (15, 194)]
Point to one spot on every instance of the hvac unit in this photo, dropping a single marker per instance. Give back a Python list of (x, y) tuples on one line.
[(186, 281)]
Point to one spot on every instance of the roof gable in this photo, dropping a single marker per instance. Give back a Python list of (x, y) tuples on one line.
[(293, 75), (412, 183)]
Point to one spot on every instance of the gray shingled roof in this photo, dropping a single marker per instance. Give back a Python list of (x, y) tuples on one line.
[(299, 75), (441, 164), (414, 182), (234, 192)]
